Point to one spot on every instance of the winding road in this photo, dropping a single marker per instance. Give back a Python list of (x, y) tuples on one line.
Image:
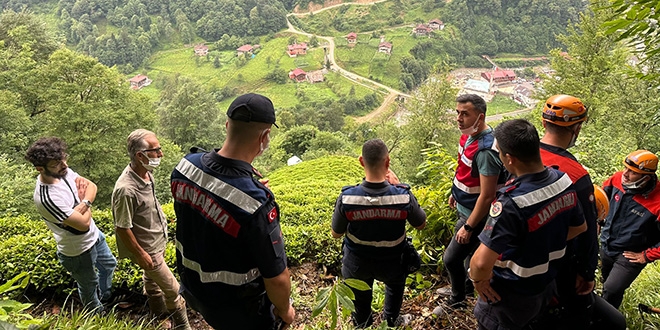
[(391, 93)]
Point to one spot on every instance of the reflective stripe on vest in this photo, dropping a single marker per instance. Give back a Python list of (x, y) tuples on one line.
[(221, 276), (375, 243), (218, 187), (543, 194), (466, 189), (529, 272), (375, 200)]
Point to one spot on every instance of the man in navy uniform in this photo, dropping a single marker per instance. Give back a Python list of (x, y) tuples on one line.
[(525, 236), (373, 216), (229, 248)]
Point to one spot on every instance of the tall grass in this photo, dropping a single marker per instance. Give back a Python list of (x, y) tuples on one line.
[(643, 291), (74, 320)]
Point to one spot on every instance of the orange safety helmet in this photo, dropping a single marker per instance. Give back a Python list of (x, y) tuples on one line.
[(602, 203), (564, 110), (641, 161)]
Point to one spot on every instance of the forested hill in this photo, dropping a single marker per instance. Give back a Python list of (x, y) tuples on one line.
[(126, 32), (513, 26)]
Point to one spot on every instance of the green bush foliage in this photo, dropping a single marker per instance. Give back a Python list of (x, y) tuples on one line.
[(19, 225), (438, 167), (16, 188), (307, 192), (34, 253), (38, 256)]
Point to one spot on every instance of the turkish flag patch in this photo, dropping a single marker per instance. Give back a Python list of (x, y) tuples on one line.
[(272, 215)]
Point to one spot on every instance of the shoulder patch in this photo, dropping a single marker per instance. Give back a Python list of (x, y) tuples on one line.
[(344, 188), (495, 209), (403, 185), (272, 215)]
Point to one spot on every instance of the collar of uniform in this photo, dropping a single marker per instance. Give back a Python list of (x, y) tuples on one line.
[(556, 150), (226, 166), (140, 181), (533, 177), (374, 185)]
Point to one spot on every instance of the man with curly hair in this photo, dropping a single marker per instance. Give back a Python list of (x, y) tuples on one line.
[(64, 200)]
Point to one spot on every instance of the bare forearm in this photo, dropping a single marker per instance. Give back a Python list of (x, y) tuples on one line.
[(278, 289), (573, 231), (90, 192), (480, 209)]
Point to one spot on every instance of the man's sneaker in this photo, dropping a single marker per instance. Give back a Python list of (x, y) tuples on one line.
[(401, 321), (444, 291)]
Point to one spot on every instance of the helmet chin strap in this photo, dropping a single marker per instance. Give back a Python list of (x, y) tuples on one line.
[(636, 184)]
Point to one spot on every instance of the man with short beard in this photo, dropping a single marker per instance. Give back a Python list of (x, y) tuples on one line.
[(64, 200), (630, 237)]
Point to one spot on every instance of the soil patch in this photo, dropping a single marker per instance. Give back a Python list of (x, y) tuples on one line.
[(307, 278)]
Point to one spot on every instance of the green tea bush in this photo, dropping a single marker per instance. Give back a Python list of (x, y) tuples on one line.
[(312, 243), (104, 220), (642, 291), (307, 192), (35, 254), (27, 245), (19, 225)]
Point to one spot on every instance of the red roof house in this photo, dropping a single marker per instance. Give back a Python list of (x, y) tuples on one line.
[(244, 49), (139, 81), (351, 38), (421, 30), (499, 76), (385, 47), (436, 24), (297, 49), (201, 50), (298, 75)]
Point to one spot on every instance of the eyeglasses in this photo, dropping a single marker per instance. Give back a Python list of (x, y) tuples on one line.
[(156, 150)]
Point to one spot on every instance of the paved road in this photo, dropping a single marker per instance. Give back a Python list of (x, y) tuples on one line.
[(493, 118)]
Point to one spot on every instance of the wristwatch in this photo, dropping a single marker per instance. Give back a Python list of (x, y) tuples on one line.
[(87, 202), (468, 228)]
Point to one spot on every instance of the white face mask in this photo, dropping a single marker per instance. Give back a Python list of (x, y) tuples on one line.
[(261, 144), (633, 185), (473, 129), (153, 163)]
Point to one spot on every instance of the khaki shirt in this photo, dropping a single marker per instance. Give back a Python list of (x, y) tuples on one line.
[(134, 206)]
